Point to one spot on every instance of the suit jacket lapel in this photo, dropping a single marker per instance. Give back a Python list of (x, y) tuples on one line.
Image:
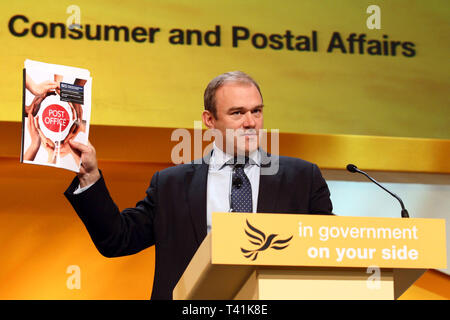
[(269, 184), (196, 182)]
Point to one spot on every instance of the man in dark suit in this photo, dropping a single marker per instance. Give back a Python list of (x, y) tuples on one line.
[(234, 108)]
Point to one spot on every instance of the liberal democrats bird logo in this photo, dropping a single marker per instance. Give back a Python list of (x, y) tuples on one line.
[(259, 238)]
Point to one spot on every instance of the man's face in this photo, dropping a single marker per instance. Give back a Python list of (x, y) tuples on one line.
[(239, 117)]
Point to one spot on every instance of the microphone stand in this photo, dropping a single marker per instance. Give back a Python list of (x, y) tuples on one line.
[(352, 168)]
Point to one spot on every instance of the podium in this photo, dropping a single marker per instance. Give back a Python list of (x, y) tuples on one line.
[(288, 256)]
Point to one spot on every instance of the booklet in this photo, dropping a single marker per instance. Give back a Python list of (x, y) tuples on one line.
[(56, 108)]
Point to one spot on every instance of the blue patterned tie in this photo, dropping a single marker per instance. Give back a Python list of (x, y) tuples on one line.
[(241, 190)]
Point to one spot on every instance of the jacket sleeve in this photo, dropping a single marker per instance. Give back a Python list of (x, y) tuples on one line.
[(320, 201), (115, 233)]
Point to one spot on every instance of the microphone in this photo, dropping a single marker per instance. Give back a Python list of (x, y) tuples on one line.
[(237, 182), (352, 168)]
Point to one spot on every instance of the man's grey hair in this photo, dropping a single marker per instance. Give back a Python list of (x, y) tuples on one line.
[(217, 82)]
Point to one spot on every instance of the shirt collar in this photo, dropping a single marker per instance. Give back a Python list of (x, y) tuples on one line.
[(220, 158)]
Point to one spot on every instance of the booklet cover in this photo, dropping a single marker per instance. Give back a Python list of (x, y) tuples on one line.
[(56, 108)]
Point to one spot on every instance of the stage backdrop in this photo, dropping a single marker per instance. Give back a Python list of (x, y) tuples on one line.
[(338, 91), (321, 68)]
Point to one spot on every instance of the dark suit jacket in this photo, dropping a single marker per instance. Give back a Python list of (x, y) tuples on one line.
[(173, 214)]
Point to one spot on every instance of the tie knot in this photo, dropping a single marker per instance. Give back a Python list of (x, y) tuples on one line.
[(238, 162)]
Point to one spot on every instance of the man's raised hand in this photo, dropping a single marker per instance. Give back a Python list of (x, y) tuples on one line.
[(89, 172)]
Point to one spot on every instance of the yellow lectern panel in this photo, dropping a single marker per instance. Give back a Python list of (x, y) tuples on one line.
[(315, 240)]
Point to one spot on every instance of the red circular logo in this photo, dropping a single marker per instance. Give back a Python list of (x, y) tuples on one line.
[(55, 118)]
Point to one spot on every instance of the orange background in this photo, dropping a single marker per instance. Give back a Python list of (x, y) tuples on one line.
[(41, 235)]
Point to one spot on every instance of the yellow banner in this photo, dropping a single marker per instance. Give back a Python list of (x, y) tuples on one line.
[(316, 240), (331, 67)]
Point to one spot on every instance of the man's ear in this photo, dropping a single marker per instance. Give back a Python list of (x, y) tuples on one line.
[(208, 119)]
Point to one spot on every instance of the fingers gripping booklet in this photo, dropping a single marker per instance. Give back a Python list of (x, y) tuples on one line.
[(56, 109)]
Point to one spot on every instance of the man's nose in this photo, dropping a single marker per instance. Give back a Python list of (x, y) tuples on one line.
[(249, 120)]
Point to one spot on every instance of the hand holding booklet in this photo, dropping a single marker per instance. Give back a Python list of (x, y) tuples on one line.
[(56, 109)]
